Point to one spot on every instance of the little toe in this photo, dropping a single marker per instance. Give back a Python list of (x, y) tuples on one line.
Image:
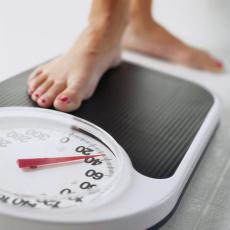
[(47, 99), (41, 89), (68, 100)]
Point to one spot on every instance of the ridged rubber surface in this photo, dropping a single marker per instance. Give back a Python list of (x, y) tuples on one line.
[(153, 116)]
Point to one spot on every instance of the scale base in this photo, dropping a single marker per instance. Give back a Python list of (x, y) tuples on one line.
[(156, 118)]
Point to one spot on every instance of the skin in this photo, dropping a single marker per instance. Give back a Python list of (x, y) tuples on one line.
[(73, 77), (145, 35), (68, 80)]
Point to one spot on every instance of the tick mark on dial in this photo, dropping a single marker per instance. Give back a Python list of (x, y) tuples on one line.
[(78, 199)]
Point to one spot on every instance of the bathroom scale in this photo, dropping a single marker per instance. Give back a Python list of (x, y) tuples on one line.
[(121, 161)]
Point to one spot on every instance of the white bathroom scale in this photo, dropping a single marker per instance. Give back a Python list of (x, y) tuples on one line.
[(120, 162)]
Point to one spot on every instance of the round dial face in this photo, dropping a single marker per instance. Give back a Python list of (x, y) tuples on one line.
[(50, 160)]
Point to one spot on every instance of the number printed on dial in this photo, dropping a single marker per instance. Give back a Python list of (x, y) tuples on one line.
[(70, 166)]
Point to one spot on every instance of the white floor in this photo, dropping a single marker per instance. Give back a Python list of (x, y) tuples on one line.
[(34, 31)]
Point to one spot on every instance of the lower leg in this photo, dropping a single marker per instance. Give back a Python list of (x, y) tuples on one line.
[(71, 78), (145, 35)]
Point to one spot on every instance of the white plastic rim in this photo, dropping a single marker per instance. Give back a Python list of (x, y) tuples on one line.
[(69, 121), (140, 202)]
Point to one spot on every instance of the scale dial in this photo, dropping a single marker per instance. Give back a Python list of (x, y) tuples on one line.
[(38, 134)]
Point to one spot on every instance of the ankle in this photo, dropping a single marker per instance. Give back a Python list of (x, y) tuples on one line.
[(107, 21), (139, 27), (93, 36)]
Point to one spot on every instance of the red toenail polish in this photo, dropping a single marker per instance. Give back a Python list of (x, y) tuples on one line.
[(219, 65), (36, 95), (43, 101), (65, 99)]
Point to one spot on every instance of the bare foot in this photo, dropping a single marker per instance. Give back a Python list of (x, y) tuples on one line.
[(150, 38), (71, 78)]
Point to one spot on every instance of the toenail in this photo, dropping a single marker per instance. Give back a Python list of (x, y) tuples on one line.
[(43, 101), (219, 65), (36, 95), (65, 99)]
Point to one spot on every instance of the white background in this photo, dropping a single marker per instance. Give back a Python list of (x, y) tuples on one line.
[(34, 31)]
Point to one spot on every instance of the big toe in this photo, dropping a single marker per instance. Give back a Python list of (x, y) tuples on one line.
[(68, 100), (206, 62), (216, 66), (198, 59)]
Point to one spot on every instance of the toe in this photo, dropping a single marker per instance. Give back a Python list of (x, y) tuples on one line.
[(41, 89), (68, 100), (47, 99), (199, 59), (36, 82), (210, 64), (35, 73), (217, 66)]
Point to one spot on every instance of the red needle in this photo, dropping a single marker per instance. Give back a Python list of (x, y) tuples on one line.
[(35, 162)]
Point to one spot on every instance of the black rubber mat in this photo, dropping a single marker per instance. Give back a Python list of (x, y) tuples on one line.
[(154, 117)]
